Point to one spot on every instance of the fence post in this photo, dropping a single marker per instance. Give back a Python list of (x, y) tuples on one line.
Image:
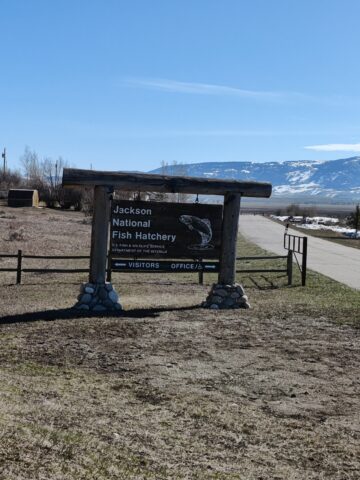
[(18, 272), (201, 273), (108, 271), (304, 262), (289, 266)]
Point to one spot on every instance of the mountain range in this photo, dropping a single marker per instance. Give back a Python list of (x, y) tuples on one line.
[(333, 180)]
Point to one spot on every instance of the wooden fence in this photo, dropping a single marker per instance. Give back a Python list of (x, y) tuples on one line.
[(19, 269)]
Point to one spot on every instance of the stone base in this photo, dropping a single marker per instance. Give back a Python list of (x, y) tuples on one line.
[(98, 297), (226, 297)]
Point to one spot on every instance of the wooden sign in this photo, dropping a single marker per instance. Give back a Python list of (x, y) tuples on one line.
[(163, 266), (165, 230)]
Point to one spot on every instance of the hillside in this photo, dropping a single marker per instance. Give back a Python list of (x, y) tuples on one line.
[(333, 179)]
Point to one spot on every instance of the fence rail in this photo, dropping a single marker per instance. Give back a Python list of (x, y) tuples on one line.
[(20, 270), (59, 257), (288, 270)]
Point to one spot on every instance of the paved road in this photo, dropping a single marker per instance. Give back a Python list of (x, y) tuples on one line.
[(336, 261)]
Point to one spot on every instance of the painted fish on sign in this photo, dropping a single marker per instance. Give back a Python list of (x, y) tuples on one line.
[(165, 230)]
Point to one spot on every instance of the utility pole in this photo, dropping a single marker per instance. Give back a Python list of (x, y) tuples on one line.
[(4, 158)]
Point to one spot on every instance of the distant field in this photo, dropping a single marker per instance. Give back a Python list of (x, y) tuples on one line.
[(168, 390), (272, 205), (331, 236)]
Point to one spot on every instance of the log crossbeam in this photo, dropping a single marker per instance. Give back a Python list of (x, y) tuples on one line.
[(147, 182)]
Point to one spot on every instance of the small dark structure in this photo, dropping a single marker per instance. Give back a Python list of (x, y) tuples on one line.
[(21, 197)]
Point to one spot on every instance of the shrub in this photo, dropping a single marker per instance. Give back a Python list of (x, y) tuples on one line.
[(16, 233)]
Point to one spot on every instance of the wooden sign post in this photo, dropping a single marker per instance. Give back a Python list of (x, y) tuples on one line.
[(230, 228), (98, 295), (99, 235)]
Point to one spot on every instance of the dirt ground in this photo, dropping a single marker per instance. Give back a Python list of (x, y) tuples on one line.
[(168, 390)]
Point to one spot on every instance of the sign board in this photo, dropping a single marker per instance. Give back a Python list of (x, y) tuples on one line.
[(163, 266), (165, 230)]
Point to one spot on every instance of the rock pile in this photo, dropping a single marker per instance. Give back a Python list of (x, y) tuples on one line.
[(226, 296), (98, 297)]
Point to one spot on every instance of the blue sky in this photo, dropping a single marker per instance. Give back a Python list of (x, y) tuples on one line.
[(129, 84)]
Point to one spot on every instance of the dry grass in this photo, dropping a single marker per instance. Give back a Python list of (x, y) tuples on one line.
[(168, 390)]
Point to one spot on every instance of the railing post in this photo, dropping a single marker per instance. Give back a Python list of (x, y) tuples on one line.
[(18, 272), (289, 266), (304, 262)]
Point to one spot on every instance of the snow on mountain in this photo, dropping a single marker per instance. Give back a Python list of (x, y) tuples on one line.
[(333, 179)]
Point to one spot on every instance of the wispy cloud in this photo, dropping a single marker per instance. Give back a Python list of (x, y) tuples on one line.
[(165, 133), (175, 86), (335, 147), (207, 133)]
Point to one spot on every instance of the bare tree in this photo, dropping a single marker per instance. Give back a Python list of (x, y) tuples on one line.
[(182, 170), (31, 166), (175, 168), (45, 176), (51, 178), (9, 179)]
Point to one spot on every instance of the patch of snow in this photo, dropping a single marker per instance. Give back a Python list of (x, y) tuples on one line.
[(317, 191), (298, 176), (304, 163), (309, 220), (317, 223), (304, 187), (322, 220), (349, 232), (281, 218), (281, 189)]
